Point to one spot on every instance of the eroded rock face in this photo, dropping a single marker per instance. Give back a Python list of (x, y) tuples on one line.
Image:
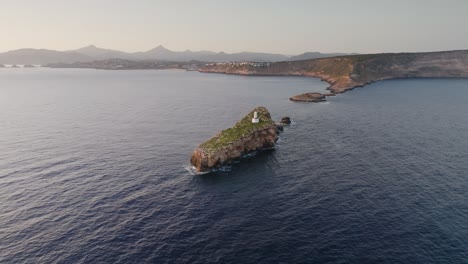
[(233, 143)]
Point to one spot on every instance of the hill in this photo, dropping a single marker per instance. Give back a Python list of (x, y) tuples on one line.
[(315, 55), (40, 56), (100, 53)]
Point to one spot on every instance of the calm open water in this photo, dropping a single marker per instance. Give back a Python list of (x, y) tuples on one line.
[(93, 170)]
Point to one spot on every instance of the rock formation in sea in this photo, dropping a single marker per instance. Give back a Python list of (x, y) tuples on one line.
[(285, 120), (243, 138), (309, 97)]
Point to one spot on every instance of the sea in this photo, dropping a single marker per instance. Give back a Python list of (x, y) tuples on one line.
[(94, 168)]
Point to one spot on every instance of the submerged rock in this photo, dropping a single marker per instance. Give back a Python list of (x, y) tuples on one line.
[(244, 138), (308, 97), (285, 120)]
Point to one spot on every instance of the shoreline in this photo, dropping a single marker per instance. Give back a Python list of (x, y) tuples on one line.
[(345, 73), (331, 82)]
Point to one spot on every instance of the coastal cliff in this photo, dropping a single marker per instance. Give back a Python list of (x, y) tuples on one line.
[(243, 138), (348, 72)]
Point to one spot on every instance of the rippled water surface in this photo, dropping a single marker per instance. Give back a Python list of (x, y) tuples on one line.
[(93, 170)]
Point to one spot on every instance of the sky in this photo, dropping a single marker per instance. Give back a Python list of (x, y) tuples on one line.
[(275, 26)]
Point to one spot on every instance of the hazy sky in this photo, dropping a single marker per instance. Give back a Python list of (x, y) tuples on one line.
[(288, 27)]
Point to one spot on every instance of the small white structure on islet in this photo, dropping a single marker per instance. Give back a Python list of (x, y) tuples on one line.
[(255, 118)]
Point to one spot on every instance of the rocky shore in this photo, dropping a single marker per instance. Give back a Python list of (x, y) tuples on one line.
[(345, 73), (233, 143)]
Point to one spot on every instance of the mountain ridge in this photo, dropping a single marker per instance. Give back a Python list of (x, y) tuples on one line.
[(92, 53)]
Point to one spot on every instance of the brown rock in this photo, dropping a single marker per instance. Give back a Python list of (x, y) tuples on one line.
[(285, 120), (243, 138), (280, 128), (308, 97)]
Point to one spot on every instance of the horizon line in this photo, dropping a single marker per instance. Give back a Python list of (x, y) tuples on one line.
[(205, 50)]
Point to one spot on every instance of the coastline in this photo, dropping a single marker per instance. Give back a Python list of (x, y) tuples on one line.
[(334, 90), (334, 86), (345, 73)]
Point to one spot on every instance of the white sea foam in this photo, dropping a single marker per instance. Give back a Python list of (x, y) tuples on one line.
[(193, 171)]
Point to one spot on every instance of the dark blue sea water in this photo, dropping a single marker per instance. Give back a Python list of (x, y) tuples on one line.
[(93, 170)]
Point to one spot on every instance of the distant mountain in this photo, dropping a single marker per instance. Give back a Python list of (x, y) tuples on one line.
[(161, 53), (246, 56), (40, 56), (101, 54), (315, 55), (93, 53)]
